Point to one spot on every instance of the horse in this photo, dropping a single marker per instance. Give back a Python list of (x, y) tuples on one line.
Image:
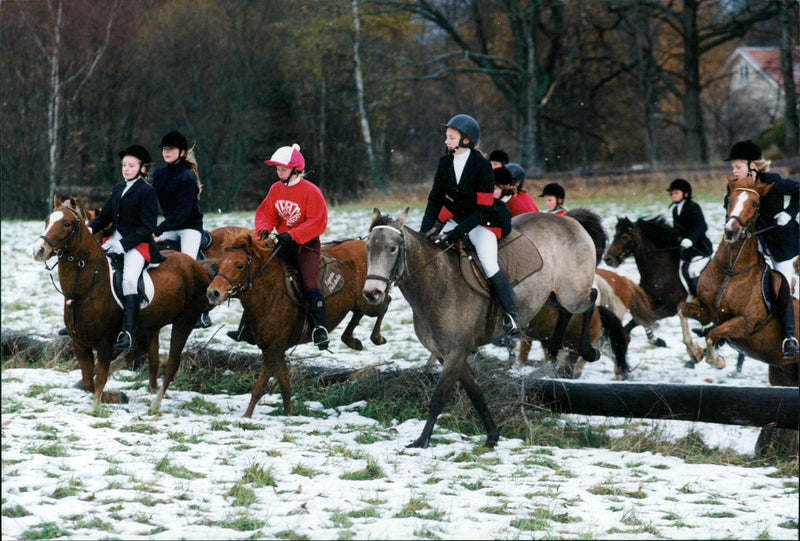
[(621, 294), (729, 293), (451, 319), (248, 271), (92, 316)]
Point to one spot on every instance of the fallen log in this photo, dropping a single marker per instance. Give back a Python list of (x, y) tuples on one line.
[(744, 406)]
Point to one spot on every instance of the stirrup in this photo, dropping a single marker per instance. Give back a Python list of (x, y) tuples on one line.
[(789, 347), (320, 337), (510, 327), (124, 341), (203, 322), (63, 331)]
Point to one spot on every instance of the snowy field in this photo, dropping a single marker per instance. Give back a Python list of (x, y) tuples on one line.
[(199, 470)]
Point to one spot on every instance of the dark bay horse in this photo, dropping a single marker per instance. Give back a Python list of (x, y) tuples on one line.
[(729, 293), (93, 317), (248, 271), (451, 320)]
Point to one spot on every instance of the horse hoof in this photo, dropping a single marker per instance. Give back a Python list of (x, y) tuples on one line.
[(689, 364), (593, 357), (354, 343), (418, 444), (659, 343), (379, 341), (123, 398), (79, 385)]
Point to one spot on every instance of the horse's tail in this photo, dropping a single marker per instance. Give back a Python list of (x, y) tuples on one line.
[(613, 330), (640, 307), (594, 226)]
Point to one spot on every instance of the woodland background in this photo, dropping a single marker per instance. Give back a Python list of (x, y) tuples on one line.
[(364, 85)]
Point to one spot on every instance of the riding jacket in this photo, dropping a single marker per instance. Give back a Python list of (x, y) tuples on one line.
[(469, 202), (178, 193), (134, 215), (691, 224), (782, 241), (297, 208), (521, 203)]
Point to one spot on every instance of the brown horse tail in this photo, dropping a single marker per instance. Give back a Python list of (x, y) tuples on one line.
[(616, 335), (640, 307), (211, 266)]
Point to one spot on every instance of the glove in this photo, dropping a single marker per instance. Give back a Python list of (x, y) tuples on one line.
[(284, 239), (264, 235), (782, 218), (113, 247), (451, 237), (90, 230), (435, 230), (686, 243)]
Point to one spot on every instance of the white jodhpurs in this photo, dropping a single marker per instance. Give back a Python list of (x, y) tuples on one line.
[(787, 269), (485, 243), (190, 240)]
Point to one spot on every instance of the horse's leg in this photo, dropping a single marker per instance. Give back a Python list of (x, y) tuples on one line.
[(85, 356), (450, 374), (740, 362), (736, 327), (281, 374), (376, 336), (270, 357), (153, 362), (347, 335), (695, 352), (431, 361), (104, 355), (524, 350), (588, 352), (554, 344), (653, 339), (177, 340), (475, 394)]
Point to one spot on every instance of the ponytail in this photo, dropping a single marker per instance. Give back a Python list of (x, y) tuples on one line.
[(191, 163)]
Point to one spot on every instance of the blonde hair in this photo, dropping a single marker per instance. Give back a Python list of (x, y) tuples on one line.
[(191, 163), (762, 165)]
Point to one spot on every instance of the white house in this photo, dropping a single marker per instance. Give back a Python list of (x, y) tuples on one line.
[(755, 76)]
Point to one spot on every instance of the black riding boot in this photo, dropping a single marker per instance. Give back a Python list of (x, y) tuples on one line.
[(504, 293), (319, 321), (243, 333), (789, 343), (203, 322), (126, 338)]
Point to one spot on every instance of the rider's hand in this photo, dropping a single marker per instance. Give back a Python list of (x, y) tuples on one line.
[(284, 239), (264, 235), (450, 238), (686, 243), (113, 247), (782, 218), (435, 230)]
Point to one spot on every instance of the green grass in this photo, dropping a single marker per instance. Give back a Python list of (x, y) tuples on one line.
[(165, 466), (372, 471)]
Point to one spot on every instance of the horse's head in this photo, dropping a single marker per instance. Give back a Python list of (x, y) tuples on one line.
[(385, 258), (743, 201), (623, 245), (61, 228), (235, 272)]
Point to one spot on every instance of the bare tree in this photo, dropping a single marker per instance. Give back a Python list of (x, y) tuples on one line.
[(792, 139)]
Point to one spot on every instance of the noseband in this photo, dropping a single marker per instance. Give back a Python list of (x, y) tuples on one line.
[(629, 247), (246, 281), (65, 245), (747, 225), (399, 262)]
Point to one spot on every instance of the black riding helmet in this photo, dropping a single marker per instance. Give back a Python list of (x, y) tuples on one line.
[(468, 127), (137, 151), (682, 185), (499, 155), (517, 172), (555, 189), (744, 150), (175, 139)]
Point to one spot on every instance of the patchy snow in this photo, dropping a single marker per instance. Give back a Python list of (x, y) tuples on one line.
[(193, 470)]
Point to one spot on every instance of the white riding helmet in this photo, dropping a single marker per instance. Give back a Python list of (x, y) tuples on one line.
[(288, 157)]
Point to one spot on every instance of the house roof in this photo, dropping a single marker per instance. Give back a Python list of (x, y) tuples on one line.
[(767, 61)]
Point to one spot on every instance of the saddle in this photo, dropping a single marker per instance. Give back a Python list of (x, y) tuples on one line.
[(206, 240), (519, 258), (330, 276), (144, 287)]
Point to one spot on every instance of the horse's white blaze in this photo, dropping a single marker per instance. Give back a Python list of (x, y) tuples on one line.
[(738, 207), (38, 247)]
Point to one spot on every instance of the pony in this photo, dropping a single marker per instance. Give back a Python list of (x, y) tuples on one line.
[(451, 319), (621, 294), (249, 271), (729, 293), (93, 317)]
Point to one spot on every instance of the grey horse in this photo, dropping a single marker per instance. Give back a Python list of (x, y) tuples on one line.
[(451, 319)]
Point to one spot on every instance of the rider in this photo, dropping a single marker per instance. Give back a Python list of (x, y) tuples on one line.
[(780, 238), (132, 210), (498, 158), (554, 196), (521, 202), (461, 202), (178, 187), (296, 209), (689, 222)]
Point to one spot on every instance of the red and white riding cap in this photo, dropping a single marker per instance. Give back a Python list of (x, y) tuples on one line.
[(288, 157)]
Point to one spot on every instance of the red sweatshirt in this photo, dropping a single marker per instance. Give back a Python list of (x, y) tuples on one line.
[(298, 209)]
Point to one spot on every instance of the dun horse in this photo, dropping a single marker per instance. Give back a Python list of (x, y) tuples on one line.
[(93, 317), (248, 270), (729, 294), (451, 319)]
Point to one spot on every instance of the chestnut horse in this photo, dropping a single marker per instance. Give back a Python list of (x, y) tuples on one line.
[(93, 317), (729, 293), (248, 270)]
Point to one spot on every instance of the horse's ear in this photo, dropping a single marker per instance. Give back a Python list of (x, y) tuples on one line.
[(376, 214), (56, 202), (402, 218)]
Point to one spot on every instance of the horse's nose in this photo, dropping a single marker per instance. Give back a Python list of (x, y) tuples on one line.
[(37, 250), (610, 261), (372, 295), (213, 296)]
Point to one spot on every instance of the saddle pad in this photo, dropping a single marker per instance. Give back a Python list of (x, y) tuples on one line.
[(144, 287), (519, 258), (330, 276)]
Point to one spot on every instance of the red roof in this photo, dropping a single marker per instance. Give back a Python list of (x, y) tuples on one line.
[(769, 61)]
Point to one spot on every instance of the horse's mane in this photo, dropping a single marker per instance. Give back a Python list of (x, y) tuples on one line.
[(658, 231), (247, 242), (594, 226), (383, 219)]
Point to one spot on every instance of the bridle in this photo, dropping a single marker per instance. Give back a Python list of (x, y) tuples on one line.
[(628, 248), (396, 275), (66, 244), (750, 222), (246, 281)]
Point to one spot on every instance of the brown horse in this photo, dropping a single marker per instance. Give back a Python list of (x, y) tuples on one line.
[(248, 270), (620, 294), (729, 293), (93, 317)]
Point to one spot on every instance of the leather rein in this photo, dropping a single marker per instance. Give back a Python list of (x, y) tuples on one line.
[(401, 262), (246, 281)]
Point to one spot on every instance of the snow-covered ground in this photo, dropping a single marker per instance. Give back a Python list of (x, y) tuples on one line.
[(199, 470)]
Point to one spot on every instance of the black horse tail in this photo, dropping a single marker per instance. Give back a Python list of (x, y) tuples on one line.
[(594, 226), (613, 330)]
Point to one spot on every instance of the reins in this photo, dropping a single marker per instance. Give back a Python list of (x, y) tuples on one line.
[(248, 276), (401, 261)]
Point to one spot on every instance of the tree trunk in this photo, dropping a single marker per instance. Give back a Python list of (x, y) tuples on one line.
[(54, 108), (792, 138), (695, 140), (373, 166)]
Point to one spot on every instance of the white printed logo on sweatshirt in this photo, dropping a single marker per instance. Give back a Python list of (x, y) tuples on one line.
[(289, 211)]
